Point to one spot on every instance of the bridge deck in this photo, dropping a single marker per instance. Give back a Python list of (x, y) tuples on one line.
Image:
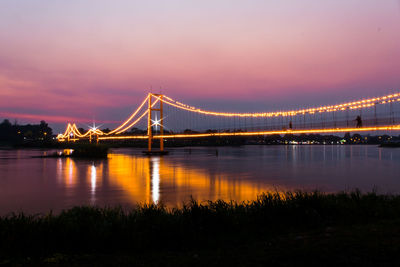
[(293, 131)]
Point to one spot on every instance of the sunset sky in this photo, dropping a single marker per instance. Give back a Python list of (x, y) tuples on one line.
[(82, 60)]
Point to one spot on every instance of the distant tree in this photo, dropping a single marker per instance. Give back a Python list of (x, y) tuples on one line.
[(6, 123), (273, 139), (28, 134), (288, 137), (303, 137), (6, 131), (45, 130), (15, 133)]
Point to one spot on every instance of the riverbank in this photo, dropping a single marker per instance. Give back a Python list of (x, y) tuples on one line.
[(280, 229), (287, 139)]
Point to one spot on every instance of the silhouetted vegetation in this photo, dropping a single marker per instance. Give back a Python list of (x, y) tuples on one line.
[(15, 134), (81, 150), (284, 229), (90, 151)]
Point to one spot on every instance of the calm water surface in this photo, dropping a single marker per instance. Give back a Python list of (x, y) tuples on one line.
[(236, 173)]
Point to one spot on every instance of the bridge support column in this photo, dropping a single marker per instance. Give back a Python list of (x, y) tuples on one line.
[(161, 124), (149, 125)]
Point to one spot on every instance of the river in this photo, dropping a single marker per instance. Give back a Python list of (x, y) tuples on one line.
[(37, 185)]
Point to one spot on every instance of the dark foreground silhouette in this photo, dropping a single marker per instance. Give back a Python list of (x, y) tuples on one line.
[(344, 229)]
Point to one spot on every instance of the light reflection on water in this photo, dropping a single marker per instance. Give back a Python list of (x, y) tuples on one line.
[(155, 179), (234, 173), (93, 170)]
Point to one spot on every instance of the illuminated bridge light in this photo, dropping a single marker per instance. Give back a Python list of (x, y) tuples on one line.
[(131, 117), (140, 117), (350, 105), (73, 133)]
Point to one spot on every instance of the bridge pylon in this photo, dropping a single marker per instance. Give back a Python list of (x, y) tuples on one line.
[(151, 123)]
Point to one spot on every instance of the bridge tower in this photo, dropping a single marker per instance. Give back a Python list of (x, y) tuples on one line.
[(151, 123)]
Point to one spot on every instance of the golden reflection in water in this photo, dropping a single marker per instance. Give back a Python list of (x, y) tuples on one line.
[(67, 172), (71, 172), (151, 179), (94, 173), (93, 179), (155, 178), (59, 170), (132, 174)]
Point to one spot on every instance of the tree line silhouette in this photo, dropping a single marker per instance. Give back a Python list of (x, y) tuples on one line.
[(17, 134)]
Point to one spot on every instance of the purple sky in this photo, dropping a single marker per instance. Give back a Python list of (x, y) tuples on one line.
[(84, 60)]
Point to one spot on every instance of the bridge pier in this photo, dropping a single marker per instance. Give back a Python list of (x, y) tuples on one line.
[(150, 125)]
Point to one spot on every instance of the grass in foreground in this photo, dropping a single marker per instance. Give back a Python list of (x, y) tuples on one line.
[(294, 228)]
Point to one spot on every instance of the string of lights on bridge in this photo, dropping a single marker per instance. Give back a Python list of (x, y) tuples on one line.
[(226, 134), (73, 132), (366, 103)]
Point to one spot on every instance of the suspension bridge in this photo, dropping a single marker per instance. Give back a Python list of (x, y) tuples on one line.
[(160, 117)]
